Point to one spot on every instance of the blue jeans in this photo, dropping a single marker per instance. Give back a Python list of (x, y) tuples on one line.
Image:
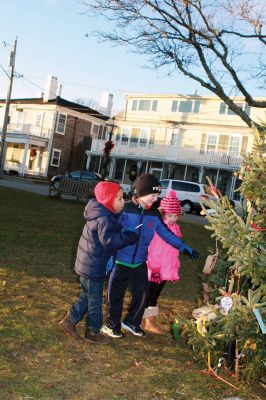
[(90, 302)]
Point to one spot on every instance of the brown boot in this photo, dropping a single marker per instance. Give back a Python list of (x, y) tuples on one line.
[(97, 338), (151, 325), (69, 327)]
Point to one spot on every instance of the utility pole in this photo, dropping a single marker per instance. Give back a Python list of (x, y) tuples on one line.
[(6, 115)]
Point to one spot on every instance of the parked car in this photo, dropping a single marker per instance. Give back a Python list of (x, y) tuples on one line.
[(189, 193), (76, 175)]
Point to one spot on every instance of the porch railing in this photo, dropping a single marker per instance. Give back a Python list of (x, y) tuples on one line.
[(28, 129), (169, 153)]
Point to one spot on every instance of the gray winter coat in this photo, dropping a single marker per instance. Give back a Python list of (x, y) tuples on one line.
[(101, 237)]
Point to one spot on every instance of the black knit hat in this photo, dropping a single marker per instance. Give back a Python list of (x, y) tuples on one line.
[(147, 184)]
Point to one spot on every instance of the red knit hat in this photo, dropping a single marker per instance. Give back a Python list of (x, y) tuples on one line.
[(105, 193), (170, 204)]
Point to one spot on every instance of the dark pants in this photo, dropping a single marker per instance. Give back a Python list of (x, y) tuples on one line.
[(120, 277), (90, 303), (154, 293)]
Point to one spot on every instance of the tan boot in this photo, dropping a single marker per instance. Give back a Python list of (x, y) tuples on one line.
[(151, 325), (69, 327), (143, 324), (96, 338)]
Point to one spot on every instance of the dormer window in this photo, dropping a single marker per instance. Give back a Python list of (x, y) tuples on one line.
[(186, 106), (224, 109), (144, 105)]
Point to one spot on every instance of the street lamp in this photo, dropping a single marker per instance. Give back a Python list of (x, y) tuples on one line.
[(108, 146)]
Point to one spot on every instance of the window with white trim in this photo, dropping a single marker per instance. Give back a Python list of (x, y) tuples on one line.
[(125, 136), (17, 151), (224, 144), (224, 109), (95, 131), (38, 120), (234, 146), (20, 116), (186, 106), (211, 143), (144, 105), (55, 158), (143, 137), (174, 139), (134, 137), (61, 124)]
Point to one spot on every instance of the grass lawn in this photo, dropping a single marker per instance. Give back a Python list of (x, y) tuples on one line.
[(38, 240)]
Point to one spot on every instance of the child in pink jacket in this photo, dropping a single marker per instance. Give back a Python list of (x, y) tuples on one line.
[(163, 262)]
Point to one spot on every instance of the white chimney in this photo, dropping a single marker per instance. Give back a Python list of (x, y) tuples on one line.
[(51, 88), (106, 103), (59, 91)]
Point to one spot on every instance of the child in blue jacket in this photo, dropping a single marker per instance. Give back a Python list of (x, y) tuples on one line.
[(101, 237), (130, 266)]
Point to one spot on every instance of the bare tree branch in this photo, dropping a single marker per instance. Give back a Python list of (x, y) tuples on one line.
[(209, 41)]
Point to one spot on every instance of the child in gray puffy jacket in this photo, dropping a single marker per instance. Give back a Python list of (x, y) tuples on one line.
[(101, 237)]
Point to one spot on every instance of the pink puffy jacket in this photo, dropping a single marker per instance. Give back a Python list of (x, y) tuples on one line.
[(163, 257)]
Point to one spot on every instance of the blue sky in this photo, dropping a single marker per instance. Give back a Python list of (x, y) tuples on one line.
[(52, 40)]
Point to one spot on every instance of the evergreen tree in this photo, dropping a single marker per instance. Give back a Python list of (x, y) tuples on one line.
[(236, 335)]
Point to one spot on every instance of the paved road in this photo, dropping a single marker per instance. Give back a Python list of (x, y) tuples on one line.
[(43, 189), (26, 185)]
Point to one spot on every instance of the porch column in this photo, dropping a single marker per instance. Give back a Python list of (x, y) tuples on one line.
[(170, 169), (147, 165), (124, 170), (88, 160), (38, 160), (201, 171), (217, 177), (112, 167), (185, 173), (139, 165), (24, 162), (233, 183)]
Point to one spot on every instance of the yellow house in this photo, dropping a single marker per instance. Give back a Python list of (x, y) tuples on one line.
[(178, 137)]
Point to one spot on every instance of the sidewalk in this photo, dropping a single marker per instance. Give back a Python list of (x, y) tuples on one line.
[(27, 184)]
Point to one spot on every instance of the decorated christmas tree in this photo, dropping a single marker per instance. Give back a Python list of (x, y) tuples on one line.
[(229, 332)]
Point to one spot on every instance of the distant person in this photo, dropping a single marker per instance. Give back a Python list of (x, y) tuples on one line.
[(163, 261), (130, 265), (101, 237)]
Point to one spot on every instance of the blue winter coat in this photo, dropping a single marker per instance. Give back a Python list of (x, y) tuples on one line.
[(100, 238), (151, 220)]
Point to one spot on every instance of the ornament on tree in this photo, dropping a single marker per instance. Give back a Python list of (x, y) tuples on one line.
[(258, 249), (201, 326), (226, 304), (256, 228)]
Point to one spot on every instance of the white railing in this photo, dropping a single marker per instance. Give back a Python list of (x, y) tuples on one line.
[(169, 153), (28, 129)]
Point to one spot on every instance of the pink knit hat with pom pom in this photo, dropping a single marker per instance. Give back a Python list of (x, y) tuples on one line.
[(170, 204)]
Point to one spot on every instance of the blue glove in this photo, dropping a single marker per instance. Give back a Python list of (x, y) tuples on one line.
[(188, 251)]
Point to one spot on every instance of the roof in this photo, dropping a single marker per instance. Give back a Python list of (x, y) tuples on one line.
[(60, 102)]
